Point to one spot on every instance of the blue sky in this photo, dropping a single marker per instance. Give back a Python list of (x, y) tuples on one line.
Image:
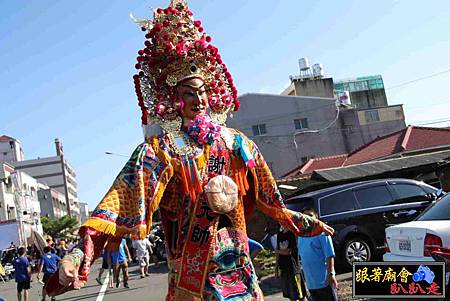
[(66, 66)]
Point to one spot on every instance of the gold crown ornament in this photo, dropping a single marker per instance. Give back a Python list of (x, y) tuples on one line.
[(176, 48)]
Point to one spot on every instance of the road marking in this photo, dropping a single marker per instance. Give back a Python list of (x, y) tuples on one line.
[(102, 291)]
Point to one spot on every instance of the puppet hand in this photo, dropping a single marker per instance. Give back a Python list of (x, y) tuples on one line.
[(68, 272), (328, 230)]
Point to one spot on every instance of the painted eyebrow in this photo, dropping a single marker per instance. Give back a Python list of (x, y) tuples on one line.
[(193, 87)]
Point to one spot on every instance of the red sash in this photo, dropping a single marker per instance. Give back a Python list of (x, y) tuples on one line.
[(202, 230), (196, 251)]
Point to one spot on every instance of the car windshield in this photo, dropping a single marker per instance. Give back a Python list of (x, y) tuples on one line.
[(438, 211)]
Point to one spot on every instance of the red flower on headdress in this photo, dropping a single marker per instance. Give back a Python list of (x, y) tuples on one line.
[(157, 27), (227, 99), (200, 44), (237, 105), (182, 48), (160, 109)]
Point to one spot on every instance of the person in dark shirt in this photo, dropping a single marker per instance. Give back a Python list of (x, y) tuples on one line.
[(61, 249), (286, 259), (23, 275), (106, 265), (48, 264)]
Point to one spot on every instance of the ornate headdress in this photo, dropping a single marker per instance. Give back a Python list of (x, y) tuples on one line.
[(176, 48)]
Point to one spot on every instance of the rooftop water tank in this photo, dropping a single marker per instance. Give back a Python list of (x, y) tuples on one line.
[(318, 70), (303, 64)]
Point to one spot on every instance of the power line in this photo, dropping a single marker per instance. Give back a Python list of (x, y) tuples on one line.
[(315, 131), (432, 121), (447, 102), (418, 79)]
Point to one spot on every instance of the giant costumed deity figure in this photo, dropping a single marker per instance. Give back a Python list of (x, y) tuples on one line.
[(206, 179)]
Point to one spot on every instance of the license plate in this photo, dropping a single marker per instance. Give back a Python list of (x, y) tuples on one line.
[(404, 245)]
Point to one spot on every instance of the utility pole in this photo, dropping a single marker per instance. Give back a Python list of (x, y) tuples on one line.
[(60, 153)]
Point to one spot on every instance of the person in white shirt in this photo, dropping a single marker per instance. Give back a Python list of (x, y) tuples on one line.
[(143, 248)]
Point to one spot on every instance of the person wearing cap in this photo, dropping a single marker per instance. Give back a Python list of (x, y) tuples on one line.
[(206, 179)]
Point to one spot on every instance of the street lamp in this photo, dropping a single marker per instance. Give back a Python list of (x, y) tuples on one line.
[(114, 154)]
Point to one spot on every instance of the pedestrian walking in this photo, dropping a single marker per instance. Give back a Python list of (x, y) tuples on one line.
[(62, 248), (287, 264), (317, 258), (155, 240), (48, 265), (144, 250), (120, 260), (106, 266), (23, 274), (72, 245)]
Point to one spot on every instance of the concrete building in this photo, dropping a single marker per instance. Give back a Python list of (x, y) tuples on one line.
[(29, 198), (10, 149), (53, 202), (364, 92), (318, 87), (84, 211), (7, 204), (360, 126), (56, 173), (290, 130), (19, 200)]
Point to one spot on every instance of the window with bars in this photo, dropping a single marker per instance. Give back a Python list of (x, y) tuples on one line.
[(301, 123), (259, 129)]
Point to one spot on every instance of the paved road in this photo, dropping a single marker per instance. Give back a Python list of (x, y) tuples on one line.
[(152, 288)]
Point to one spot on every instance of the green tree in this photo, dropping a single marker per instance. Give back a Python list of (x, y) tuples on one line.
[(60, 228)]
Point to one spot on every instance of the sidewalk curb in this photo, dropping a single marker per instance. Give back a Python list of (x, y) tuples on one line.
[(344, 277)]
